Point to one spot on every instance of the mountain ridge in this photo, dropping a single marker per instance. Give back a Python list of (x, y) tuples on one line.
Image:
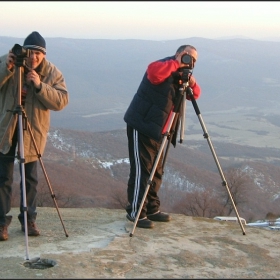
[(94, 173), (239, 86)]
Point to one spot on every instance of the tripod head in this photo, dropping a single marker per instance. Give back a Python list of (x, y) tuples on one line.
[(181, 79), (186, 74), (21, 54)]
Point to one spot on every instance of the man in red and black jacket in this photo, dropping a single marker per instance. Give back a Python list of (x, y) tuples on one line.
[(146, 118)]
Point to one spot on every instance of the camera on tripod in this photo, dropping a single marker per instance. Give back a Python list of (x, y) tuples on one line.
[(20, 52), (188, 62)]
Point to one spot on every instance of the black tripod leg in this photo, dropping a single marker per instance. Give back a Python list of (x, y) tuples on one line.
[(184, 104), (169, 138), (46, 176), (206, 135), (179, 110)]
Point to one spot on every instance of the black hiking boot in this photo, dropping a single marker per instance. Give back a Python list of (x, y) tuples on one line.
[(159, 217), (142, 223)]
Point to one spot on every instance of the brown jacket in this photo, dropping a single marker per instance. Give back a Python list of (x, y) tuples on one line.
[(52, 96)]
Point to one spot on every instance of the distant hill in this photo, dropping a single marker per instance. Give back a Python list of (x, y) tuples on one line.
[(239, 80), (90, 169)]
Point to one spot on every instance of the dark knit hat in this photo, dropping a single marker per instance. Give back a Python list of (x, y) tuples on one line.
[(35, 41)]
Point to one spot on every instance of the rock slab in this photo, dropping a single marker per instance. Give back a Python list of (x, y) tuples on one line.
[(99, 245)]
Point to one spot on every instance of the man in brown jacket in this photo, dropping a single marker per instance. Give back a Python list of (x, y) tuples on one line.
[(43, 88)]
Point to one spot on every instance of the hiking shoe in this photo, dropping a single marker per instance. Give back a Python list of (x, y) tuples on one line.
[(142, 223), (159, 217), (32, 229), (3, 232)]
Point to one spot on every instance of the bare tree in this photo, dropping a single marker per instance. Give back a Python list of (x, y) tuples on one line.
[(239, 183), (45, 198), (271, 217), (199, 204), (119, 198), (43, 195), (218, 203)]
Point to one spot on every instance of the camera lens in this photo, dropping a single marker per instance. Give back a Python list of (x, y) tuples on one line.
[(186, 59)]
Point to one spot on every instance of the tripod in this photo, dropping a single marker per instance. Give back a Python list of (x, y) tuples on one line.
[(179, 111), (23, 124)]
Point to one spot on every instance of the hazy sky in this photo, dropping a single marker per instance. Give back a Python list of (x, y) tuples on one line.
[(149, 20)]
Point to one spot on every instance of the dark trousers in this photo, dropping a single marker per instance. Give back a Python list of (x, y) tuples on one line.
[(142, 155), (6, 179)]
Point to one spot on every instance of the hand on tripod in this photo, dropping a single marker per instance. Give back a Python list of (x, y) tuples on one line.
[(192, 81), (10, 62)]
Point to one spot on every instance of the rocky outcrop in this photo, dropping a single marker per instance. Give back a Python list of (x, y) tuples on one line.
[(99, 245)]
